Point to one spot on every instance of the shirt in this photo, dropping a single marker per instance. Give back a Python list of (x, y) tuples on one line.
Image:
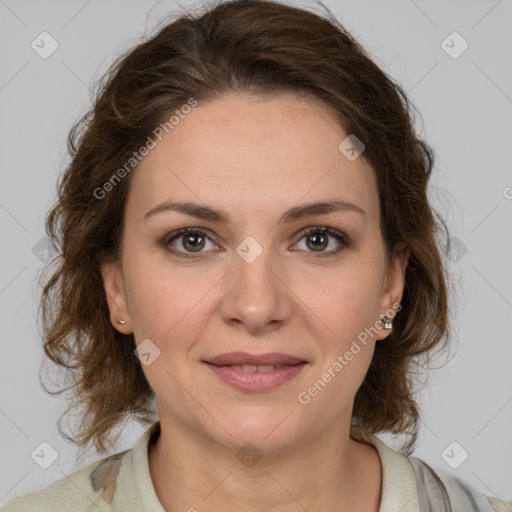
[(122, 483)]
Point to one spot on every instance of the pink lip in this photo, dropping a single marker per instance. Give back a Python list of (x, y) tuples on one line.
[(287, 367)]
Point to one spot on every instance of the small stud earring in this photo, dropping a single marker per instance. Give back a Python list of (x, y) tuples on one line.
[(119, 321), (387, 323)]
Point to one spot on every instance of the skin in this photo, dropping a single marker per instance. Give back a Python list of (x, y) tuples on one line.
[(255, 157)]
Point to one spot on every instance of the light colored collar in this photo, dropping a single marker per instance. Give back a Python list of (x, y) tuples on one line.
[(399, 490), (145, 487)]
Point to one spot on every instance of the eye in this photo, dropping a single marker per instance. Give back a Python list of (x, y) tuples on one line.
[(187, 241), (317, 239), (192, 239)]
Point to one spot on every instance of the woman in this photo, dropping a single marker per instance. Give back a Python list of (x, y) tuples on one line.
[(246, 239)]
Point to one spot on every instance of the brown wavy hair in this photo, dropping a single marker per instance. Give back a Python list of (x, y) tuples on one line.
[(250, 46)]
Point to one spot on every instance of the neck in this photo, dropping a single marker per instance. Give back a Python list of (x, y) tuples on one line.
[(331, 471)]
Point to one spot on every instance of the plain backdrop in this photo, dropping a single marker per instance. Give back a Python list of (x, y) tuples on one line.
[(465, 100)]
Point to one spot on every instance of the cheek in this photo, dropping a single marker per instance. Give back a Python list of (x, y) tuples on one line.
[(167, 305), (348, 314), (360, 297), (344, 301)]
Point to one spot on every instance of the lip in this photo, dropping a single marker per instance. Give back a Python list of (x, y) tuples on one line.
[(241, 358), (256, 381), (287, 368)]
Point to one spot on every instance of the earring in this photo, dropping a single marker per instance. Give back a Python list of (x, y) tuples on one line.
[(387, 323), (119, 321)]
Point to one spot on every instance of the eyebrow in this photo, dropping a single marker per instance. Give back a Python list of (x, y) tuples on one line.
[(293, 214)]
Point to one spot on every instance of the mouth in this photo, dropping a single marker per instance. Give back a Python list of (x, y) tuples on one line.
[(243, 359), (250, 372), (254, 367)]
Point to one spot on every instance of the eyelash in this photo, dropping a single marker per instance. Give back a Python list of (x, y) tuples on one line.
[(343, 240)]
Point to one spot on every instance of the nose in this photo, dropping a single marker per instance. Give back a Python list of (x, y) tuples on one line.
[(256, 297)]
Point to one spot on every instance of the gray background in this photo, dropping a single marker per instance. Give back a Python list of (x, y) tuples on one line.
[(466, 105)]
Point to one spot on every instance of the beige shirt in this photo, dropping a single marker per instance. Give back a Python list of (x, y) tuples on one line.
[(122, 483)]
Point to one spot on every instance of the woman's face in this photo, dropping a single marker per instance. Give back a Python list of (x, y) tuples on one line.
[(255, 283)]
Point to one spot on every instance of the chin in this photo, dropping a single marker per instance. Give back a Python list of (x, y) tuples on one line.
[(258, 426)]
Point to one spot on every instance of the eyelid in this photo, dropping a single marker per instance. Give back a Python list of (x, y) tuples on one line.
[(342, 239)]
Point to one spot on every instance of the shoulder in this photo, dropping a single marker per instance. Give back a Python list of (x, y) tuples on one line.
[(442, 489), (88, 489), (411, 485), (499, 505)]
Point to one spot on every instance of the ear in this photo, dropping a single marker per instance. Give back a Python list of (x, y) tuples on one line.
[(394, 285), (113, 283)]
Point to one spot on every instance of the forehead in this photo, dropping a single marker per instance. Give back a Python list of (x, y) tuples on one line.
[(253, 153)]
